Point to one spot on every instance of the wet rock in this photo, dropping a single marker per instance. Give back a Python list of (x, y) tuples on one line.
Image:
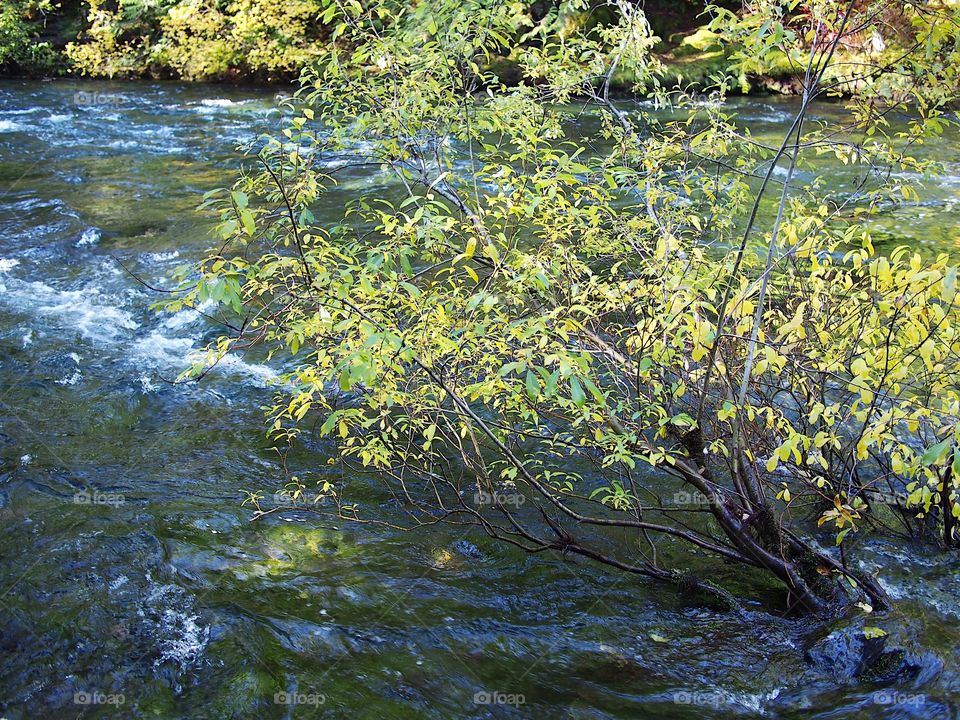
[(891, 666), (850, 656), (844, 653)]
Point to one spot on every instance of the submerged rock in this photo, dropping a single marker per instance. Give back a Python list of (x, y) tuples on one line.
[(845, 654), (850, 655)]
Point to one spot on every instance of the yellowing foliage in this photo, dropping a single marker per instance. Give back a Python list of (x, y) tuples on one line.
[(577, 302), (199, 39)]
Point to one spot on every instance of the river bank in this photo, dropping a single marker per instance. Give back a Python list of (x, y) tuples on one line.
[(256, 42)]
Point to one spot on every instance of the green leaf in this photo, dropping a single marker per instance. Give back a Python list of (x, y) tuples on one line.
[(935, 453), (246, 219), (595, 391), (683, 420), (533, 386), (576, 392), (550, 388)]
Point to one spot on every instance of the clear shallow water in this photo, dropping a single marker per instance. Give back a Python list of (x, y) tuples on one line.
[(129, 568)]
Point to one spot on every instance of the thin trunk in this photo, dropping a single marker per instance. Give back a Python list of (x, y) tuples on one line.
[(946, 505)]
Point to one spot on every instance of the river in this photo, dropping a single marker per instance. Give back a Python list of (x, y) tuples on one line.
[(133, 582)]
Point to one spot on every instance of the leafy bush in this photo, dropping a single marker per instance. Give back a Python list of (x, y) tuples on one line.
[(198, 39), (117, 41), (564, 311), (20, 23)]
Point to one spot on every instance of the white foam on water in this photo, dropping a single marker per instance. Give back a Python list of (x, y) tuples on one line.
[(163, 257), (895, 592), (179, 636), (303, 150), (164, 131), (60, 118), (187, 317), (221, 102), (10, 126), (7, 264), (27, 339), (25, 460), (119, 582), (89, 238), (88, 311), (260, 374), (35, 202), (188, 638), (147, 385), (26, 111), (68, 380), (157, 350), (124, 144), (75, 376), (214, 105), (146, 147)]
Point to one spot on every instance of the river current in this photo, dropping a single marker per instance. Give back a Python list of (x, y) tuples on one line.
[(133, 582)]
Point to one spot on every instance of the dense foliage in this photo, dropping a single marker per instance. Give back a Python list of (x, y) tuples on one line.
[(586, 330), (198, 39), (20, 22), (272, 40)]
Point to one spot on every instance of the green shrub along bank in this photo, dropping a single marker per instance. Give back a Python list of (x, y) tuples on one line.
[(273, 40), (261, 40)]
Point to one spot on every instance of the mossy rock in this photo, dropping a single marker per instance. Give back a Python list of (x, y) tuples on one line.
[(246, 691)]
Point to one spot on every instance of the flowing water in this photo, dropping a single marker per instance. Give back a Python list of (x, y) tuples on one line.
[(133, 583)]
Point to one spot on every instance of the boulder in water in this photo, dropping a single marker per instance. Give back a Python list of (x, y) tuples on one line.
[(850, 655)]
